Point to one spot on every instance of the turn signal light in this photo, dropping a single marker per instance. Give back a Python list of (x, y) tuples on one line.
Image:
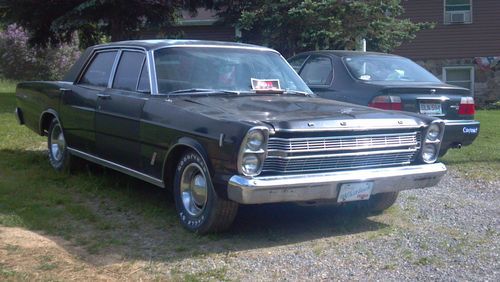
[(467, 106), (387, 102)]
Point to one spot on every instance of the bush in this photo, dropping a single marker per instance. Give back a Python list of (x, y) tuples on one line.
[(20, 61)]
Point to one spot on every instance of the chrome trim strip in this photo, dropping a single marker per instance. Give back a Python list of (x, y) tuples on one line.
[(325, 186), (117, 167), (360, 125), (365, 153), (460, 122), (345, 136), (257, 48)]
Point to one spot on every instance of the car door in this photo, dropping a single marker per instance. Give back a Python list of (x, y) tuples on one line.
[(119, 111), (317, 72), (79, 101)]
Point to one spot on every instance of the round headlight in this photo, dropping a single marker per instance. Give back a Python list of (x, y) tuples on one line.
[(433, 132), (255, 140), (429, 153), (250, 163)]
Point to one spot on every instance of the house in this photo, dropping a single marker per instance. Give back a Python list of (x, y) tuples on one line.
[(463, 48)]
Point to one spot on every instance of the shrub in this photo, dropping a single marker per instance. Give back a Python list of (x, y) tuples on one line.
[(20, 61)]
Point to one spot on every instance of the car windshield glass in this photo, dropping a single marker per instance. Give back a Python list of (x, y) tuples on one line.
[(230, 69), (387, 68)]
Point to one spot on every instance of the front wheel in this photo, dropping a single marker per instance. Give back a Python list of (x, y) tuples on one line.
[(380, 202), (199, 207)]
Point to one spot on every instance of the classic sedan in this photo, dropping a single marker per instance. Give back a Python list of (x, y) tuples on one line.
[(392, 83), (222, 124)]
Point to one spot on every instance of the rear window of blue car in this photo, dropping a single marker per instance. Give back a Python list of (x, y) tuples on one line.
[(387, 68)]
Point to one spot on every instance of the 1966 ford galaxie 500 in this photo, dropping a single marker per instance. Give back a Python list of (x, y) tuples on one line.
[(222, 124)]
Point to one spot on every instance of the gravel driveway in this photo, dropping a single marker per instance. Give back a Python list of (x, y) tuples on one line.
[(449, 232)]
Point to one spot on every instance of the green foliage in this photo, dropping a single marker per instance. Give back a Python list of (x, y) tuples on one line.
[(293, 26), (56, 21)]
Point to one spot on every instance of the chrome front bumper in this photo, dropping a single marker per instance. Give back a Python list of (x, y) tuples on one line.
[(325, 186)]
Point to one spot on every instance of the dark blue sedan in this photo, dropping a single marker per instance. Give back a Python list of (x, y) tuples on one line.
[(390, 82)]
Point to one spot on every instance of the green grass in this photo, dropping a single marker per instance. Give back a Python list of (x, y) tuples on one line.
[(481, 160)]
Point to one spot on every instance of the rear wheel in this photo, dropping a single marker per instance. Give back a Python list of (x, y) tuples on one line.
[(199, 207), (59, 157)]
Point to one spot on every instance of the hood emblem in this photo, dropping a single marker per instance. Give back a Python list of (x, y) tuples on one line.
[(433, 91), (310, 124), (343, 123), (400, 122)]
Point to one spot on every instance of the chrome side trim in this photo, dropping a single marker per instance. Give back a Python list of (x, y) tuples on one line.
[(117, 167), (460, 122), (325, 186)]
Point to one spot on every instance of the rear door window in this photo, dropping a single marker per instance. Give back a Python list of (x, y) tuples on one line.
[(317, 71), (99, 70), (129, 70), (297, 62)]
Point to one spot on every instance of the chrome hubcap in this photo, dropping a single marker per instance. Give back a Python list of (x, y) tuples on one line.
[(57, 143), (193, 189)]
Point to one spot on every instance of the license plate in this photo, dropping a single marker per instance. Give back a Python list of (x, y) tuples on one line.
[(355, 192), (430, 109)]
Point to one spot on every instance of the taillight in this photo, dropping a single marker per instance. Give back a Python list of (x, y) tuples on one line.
[(466, 106), (387, 102)]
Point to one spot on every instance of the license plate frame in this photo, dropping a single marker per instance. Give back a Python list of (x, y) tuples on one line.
[(431, 109), (355, 191)]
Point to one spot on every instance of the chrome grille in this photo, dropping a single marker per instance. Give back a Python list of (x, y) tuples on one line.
[(341, 152), (342, 142)]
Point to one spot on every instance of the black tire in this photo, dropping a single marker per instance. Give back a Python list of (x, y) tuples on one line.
[(59, 157), (442, 152), (380, 202), (199, 208)]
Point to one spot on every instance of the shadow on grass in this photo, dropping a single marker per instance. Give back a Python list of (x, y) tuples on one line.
[(112, 215)]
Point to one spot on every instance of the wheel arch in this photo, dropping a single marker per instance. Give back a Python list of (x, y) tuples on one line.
[(175, 153), (45, 119)]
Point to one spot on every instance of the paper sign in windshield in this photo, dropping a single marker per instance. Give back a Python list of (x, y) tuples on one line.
[(266, 84)]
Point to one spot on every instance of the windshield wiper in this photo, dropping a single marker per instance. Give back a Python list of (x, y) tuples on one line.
[(202, 90), (288, 91)]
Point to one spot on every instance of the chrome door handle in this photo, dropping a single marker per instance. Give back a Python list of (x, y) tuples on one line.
[(103, 96)]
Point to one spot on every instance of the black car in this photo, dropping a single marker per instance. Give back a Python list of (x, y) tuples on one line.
[(222, 124), (390, 82)]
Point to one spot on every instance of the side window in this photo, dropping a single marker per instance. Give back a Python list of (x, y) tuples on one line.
[(144, 79), (99, 70), (128, 70), (297, 62), (317, 71)]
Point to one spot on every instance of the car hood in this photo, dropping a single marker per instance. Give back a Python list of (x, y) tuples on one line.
[(288, 113)]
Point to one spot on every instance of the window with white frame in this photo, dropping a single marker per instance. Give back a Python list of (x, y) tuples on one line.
[(462, 76), (457, 11)]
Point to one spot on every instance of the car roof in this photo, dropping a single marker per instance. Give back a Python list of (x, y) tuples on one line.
[(345, 53), (152, 44)]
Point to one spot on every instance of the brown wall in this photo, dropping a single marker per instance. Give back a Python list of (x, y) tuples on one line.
[(481, 38)]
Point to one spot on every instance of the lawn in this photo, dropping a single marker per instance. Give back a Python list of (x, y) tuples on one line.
[(99, 210)]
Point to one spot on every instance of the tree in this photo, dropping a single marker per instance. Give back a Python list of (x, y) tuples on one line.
[(54, 21), (293, 26)]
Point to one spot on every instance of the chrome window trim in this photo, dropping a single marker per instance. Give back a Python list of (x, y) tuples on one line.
[(117, 167), (89, 61)]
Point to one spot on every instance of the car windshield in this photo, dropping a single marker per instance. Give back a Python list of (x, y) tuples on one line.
[(230, 69), (387, 68)]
